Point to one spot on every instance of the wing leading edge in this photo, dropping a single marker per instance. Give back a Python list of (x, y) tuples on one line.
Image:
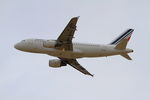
[(65, 39)]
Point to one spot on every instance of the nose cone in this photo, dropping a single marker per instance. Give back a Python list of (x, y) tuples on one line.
[(17, 46)]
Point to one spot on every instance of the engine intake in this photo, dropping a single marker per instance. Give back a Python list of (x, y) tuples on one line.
[(56, 63)]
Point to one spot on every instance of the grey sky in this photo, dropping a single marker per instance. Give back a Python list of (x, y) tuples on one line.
[(27, 76)]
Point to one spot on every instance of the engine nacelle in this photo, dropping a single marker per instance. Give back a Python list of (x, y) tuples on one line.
[(49, 43), (56, 63)]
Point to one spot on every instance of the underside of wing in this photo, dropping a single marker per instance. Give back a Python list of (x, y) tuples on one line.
[(74, 63), (65, 39)]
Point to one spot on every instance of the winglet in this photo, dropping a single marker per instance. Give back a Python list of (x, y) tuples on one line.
[(78, 16), (91, 75)]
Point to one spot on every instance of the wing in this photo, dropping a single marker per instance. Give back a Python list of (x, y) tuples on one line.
[(65, 39), (74, 63)]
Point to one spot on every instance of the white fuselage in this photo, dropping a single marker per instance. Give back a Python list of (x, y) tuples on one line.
[(79, 49)]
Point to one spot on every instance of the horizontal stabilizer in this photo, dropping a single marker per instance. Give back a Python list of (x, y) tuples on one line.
[(125, 55)]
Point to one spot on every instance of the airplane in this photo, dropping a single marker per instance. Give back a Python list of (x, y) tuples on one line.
[(67, 51)]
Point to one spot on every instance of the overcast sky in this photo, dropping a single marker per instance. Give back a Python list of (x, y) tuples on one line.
[(27, 76)]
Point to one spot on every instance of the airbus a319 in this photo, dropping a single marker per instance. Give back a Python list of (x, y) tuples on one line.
[(67, 51)]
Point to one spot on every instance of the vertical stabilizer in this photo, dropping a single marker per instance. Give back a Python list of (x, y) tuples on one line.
[(122, 41), (124, 36)]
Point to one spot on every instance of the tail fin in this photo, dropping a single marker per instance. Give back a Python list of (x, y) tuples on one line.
[(121, 42), (125, 36)]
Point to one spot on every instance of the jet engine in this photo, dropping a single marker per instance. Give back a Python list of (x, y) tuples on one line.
[(56, 63), (49, 43)]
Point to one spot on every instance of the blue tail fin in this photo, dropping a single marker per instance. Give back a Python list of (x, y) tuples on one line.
[(126, 35)]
